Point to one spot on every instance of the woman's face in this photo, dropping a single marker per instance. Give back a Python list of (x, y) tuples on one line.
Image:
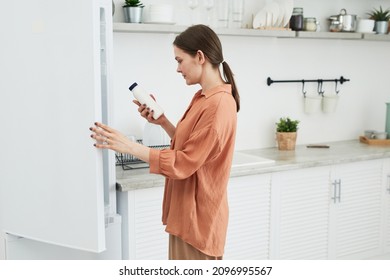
[(189, 66)]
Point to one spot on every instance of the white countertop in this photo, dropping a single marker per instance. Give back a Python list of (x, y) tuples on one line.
[(301, 157)]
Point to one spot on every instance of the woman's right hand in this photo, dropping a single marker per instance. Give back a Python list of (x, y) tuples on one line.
[(147, 114), (162, 120)]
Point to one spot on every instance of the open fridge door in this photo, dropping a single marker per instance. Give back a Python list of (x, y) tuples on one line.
[(55, 187)]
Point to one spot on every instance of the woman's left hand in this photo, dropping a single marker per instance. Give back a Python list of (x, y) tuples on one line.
[(109, 138)]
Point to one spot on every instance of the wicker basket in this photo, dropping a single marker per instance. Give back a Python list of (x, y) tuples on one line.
[(286, 140)]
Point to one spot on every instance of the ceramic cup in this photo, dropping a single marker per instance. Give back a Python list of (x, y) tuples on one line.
[(312, 104), (329, 103), (369, 133), (380, 135)]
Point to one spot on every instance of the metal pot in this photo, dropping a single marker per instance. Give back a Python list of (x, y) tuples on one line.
[(343, 22)]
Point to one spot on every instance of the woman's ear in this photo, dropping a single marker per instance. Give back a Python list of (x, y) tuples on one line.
[(201, 57)]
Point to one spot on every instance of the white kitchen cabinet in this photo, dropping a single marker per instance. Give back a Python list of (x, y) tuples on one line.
[(2, 245), (300, 214), (143, 236), (386, 207), (330, 212), (249, 217), (248, 230), (356, 210)]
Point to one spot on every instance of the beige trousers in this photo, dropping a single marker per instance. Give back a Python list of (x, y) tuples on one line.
[(180, 250)]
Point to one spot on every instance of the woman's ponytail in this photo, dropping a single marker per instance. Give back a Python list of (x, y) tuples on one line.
[(228, 74)]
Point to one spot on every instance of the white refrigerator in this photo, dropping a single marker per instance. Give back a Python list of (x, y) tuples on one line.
[(57, 191)]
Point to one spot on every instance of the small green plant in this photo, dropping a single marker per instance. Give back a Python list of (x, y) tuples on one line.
[(133, 3), (287, 125), (379, 14)]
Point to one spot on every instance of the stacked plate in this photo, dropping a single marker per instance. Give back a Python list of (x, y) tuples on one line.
[(274, 14)]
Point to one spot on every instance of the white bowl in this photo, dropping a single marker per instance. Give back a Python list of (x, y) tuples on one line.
[(161, 13), (365, 25)]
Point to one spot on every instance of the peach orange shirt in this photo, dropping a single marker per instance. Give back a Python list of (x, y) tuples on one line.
[(197, 169)]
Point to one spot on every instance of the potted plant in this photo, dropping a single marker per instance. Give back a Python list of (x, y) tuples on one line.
[(286, 133), (133, 11), (381, 18)]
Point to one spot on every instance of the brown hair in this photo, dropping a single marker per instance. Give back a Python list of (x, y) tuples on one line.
[(202, 37)]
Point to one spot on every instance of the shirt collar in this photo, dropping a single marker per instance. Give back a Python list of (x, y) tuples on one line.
[(210, 92)]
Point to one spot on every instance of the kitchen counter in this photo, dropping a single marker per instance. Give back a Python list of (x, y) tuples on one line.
[(301, 157)]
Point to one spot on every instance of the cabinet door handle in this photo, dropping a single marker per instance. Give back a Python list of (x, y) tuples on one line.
[(339, 184), (334, 198), (337, 191), (388, 183)]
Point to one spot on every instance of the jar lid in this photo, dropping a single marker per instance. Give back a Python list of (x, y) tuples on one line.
[(298, 10)]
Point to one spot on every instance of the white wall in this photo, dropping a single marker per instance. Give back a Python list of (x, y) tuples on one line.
[(148, 59)]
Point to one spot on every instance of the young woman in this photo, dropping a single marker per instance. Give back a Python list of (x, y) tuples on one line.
[(197, 165)]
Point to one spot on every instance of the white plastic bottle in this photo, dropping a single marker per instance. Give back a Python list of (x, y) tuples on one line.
[(144, 98)]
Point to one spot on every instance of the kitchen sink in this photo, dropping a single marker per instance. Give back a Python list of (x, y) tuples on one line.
[(242, 159)]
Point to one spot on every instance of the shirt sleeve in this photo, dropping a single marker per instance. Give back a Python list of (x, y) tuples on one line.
[(201, 147)]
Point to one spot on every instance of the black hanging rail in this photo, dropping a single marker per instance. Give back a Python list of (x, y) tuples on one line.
[(320, 81)]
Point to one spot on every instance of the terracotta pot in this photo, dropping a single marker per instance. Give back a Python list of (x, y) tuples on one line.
[(286, 140)]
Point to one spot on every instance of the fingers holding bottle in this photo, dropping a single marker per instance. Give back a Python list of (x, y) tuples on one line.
[(147, 113)]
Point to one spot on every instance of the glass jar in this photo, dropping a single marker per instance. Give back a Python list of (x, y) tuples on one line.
[(310, 24), (296, 20)]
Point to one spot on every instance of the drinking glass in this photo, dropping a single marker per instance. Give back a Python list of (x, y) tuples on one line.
[(192, 4), (209, 5), (223, 13), (237, 13)]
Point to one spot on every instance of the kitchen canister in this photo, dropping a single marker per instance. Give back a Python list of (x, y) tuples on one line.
[(310, 24), (312, 104), (329, 103), (387, 129), (296, 20)]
